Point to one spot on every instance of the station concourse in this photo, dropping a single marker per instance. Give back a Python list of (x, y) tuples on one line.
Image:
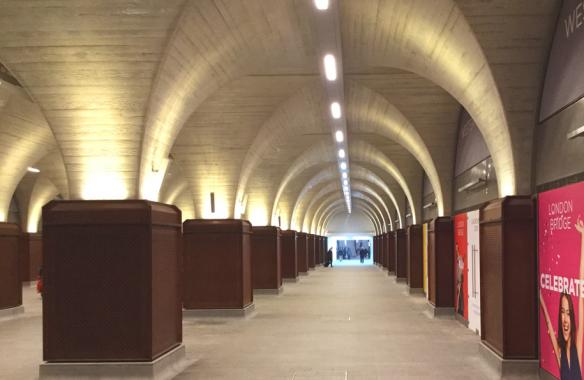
[(291, 189)]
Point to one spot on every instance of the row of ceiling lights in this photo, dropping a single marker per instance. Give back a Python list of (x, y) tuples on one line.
[(330, 69)]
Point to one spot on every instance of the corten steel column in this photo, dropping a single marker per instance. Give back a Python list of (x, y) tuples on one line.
[(317, 248), (320, 250), (415, 259), (509, 307), (302, 249), (383, 251), (111, 272), (217, 267), (289, 256), (266, 260), (10, 271), (401, 256), (441, 266), (375, 250), (310, 242), (390, 243), (324, 249), (31, 257), (380, 251), (386, 249)]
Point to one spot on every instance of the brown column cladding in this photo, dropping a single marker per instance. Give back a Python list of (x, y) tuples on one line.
[(317, 249), (266, 258), (401, 264), (302, 249), (320, 250), (111, 272), (289, 254), (217, 264), (386, 249), (311, 247), (31, 256), (381, 249), (441, 262), (375, 249), (415, 257), (509, 308), (390, 236), (10, 267), (324, 249)]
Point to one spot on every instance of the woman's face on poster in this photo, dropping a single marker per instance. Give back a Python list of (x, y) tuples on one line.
[(566, 324)]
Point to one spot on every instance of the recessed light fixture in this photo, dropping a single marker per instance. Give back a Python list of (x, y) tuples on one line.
[(336, 110), (321, 5), (344, 175), (343, 166), (341, 153), (339, 136), (330, 67), (33, 170), (345, 182)]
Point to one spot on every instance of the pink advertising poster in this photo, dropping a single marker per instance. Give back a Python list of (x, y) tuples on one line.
[(460, 266), (561, 280)]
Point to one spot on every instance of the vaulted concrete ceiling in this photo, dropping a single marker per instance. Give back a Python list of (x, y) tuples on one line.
[(227, 95)]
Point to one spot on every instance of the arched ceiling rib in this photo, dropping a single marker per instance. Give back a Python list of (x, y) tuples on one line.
[(301, 210), (174, 184), (296, 124), (360, 151), (434, 40), (24, 139), (90, 67), (53, 167), (44, 191), (338, 211), (332, 193), (214, 43), (369, 112), (326, 175), (330, 190), (383, 218), (321, 152), (366, 175), (245, 113), (360, 205), (327, 206), (334, 197), (363, 151), (364, 188)]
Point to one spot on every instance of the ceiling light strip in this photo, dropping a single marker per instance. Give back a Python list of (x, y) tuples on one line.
[(329, 37)]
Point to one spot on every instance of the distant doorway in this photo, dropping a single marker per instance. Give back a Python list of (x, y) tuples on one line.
[(351, 250)]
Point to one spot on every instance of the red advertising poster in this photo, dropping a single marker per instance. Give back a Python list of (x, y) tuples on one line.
[(561, 280), (460, 266)]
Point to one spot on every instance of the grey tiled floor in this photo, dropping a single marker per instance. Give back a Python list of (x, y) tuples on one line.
[(341, 323)]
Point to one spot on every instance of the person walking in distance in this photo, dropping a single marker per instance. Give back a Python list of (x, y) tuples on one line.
[(329, 257)]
